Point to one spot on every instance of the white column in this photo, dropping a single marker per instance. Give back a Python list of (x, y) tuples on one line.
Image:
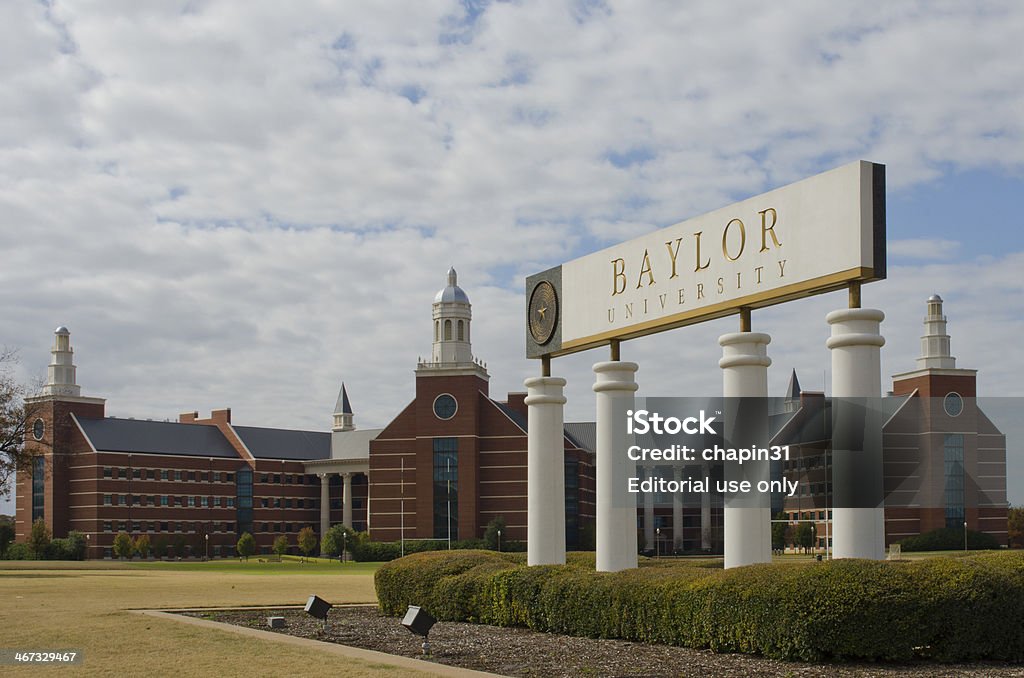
[(744, 363), (857, 532), (616, 507), (705, 511), (346, 505), (545, 472), (649, 512), (325, 503), (677, 511)]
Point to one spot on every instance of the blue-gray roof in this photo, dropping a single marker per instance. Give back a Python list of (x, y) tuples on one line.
[(279, 443), (156, 437)]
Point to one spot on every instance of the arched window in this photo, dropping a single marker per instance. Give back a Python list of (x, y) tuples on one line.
[(447, 330), (461, 338), (437, 330)]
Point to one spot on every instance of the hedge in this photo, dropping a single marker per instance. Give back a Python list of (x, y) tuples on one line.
[(943, 609), (949, 539)]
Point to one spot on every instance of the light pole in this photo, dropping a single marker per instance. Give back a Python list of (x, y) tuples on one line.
[(657, 542), (448, 473), (965, 535), (499, 541), (344, 544), (88, 540), (814, 544), (207, 536)]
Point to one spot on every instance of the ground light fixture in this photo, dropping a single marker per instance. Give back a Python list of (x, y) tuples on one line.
[(419, 621), (318, 607)]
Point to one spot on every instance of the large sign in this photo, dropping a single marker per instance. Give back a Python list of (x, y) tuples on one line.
[(813, 236)]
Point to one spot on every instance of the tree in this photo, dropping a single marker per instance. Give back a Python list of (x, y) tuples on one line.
[(15, 414), (142, 546), (337, 538), (6, 536), (179, 546), (1015, 526), (123, 546), (804, 535), (39, 538), (491, 533), (307, 540), (160, 547), (246, 545), (779, 532), (77, 544), (281, 545)]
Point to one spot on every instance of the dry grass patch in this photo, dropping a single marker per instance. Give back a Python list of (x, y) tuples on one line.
[(86, 610)]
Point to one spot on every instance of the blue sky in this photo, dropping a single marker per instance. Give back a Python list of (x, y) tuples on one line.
[(243, 204)]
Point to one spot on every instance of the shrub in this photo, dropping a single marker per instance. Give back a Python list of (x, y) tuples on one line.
[(123, 545), (949, 539), (19, 552), (39, 538), (950, 609), (71, 547)]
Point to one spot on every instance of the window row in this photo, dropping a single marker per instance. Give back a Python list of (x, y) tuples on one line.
[(809, 515), (122, 526), (176, 475), (167, 500), (285, 478)]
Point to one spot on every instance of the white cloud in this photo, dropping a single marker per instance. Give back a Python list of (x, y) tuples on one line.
[(243, 204), (922, 248)]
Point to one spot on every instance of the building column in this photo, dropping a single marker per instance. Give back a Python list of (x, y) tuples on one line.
[(346, 500), (744, 363), (858, 516), (325, 502), (616, 507), (677, 511), (649, 512), (545, 471), (705, 511)]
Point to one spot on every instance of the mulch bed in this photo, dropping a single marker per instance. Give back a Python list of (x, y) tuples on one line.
[(520, 652)]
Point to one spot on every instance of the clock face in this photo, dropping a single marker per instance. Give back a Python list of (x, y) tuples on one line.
[(543, 312), (38, 429)]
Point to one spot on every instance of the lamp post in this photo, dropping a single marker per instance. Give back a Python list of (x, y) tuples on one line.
[(657, 542), (88, 541), (344, 544), (814, 544), (207, 537), (965, 535), (499, 541)]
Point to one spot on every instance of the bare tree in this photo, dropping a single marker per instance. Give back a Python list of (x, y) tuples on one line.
[(14, 417)]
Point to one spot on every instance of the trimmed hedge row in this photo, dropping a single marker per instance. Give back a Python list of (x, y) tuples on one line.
[(950, 539), (942, 609)]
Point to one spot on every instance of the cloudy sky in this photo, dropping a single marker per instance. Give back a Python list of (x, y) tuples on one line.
[(241, 204)]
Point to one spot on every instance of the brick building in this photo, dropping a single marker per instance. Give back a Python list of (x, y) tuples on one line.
[(944, 460), (197, 484)]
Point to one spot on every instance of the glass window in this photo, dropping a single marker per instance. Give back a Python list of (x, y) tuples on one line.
[(163, 474), (106, 472), (954, 467), (108, 526), (163, 500), (177, 475), (38, 487), (107, 500), (445, 406), (243, 494), (953, 404), (446, 488)]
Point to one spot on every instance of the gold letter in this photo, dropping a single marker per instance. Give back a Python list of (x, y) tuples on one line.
[(700, 291), (721, 285), (769, 229), (618, 273), (699, 265), (673, 255), (611, 315), (782, 268), (725, 236), (645, 268), (629, 310), (759, 269)]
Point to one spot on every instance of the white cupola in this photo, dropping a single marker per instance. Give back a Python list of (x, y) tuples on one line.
[(60, 374), (452, 316), (935, 342)]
